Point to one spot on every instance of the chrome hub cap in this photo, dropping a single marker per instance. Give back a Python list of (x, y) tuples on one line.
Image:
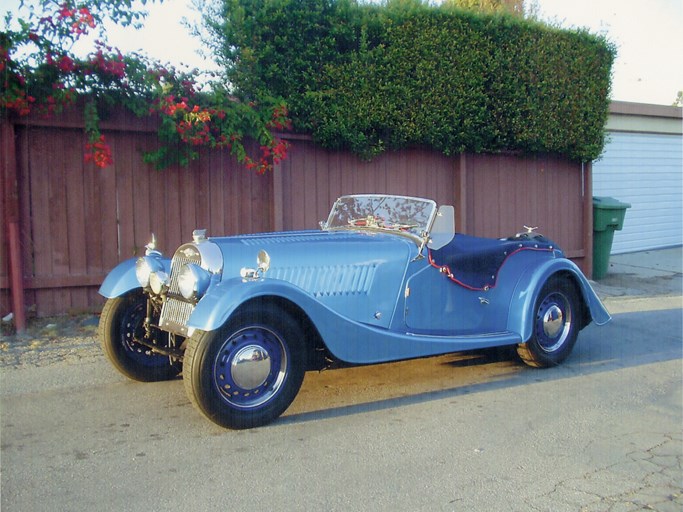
[(250, 366), (553, 322)]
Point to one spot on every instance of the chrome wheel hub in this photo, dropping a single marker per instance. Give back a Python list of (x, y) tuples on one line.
[(553, 322), (250, 366)]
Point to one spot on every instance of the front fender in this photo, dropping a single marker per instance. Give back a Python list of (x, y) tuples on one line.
[(122, 278), (223, 299), (528, 288)]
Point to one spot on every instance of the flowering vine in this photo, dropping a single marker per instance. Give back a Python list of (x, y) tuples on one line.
[(41, 75), (216, 120)]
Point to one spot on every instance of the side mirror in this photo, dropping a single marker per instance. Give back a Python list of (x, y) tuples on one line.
[(443, 228)]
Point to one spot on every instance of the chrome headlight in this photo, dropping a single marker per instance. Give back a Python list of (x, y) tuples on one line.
[(193, 281), (144, 267), (159, 282)]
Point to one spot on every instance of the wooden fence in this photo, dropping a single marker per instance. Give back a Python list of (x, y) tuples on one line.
[(70, 223)]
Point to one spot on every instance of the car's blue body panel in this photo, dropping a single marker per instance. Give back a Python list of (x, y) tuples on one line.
[(372, 297), (356, 274), (347, 340), (122, 278), (438, 305)]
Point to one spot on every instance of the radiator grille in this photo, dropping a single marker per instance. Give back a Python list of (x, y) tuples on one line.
[(178, 261), (176, 311), (174, 315)]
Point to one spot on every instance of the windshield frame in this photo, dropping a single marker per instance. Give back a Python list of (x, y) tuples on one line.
[(417, 234)]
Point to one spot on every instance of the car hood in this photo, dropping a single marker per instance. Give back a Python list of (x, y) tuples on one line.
[(358, 274)]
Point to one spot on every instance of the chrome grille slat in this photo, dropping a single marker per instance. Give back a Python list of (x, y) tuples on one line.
[(176, 264), (174, 315), (176, 311)]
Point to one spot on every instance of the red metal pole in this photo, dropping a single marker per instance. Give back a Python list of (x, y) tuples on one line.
[(11, 191), (16, 277)]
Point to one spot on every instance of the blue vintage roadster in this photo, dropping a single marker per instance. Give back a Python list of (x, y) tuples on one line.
[(386, 278)]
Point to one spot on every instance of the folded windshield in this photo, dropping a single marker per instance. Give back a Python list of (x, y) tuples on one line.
[(400, 214)]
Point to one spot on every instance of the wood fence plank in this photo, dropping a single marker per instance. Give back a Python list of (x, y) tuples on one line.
[(94, 217), (25, 202), (171, 206), (74, 180), (106, 192), (125, 192), (187, 197), (235, 194), (146, 200), (200, 174), (7, 145), (216, 225), (40, 215)]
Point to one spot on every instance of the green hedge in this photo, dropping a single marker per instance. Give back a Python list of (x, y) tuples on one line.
[(372, 78)]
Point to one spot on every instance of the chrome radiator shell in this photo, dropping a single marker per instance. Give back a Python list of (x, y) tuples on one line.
[(176, 310)]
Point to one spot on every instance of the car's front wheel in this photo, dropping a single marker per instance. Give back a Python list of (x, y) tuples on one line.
[(555, 329), (121, 328), (248, 372)]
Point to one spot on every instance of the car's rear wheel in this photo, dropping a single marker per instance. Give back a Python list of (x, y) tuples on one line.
[(555, 329), (248, 372), (121, 324)]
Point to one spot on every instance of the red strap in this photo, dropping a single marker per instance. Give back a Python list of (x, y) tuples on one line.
[(445, 269)]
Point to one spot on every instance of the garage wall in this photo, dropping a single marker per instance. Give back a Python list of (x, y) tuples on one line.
[(643, 165)]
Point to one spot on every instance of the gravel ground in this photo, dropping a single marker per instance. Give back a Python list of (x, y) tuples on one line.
[(68, 339)]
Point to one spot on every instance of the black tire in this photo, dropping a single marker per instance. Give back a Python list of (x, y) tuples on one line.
[(248, 372), (556, 325), (120, 323)]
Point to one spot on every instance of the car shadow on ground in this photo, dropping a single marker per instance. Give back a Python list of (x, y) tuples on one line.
[(625, 342)]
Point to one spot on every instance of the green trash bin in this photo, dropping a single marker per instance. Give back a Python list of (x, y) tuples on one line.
[(608, 216)]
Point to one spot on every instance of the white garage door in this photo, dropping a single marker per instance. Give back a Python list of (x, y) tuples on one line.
[(645, 170)]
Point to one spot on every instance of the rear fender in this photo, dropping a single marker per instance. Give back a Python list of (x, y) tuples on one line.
[(521, 313)]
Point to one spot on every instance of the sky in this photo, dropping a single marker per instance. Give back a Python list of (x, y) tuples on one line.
[(647, 34)]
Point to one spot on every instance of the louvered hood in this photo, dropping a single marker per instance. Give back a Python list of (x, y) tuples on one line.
[(357, 274)]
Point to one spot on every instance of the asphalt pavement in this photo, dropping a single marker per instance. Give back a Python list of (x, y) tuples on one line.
[(642, 281), (459, 432)]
